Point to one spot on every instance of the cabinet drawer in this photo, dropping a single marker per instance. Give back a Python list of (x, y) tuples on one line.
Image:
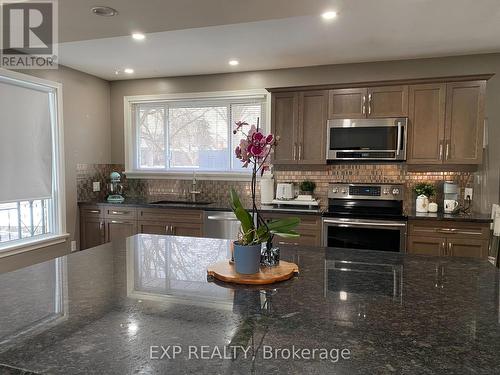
[(309, 230), (120, 213), (307, 238), (449, 229), (91, 211), (307, 222), (180, 216)]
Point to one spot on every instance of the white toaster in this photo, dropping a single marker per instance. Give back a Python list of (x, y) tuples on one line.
[(285, 191)]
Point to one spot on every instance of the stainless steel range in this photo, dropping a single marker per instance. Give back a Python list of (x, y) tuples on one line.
[(365, 216)]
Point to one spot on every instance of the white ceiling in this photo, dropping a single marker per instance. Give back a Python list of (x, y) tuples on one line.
[(365, 30)]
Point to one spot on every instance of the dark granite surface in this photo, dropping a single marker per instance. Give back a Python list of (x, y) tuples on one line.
[(100, 311), (189, 206), (472, 217)]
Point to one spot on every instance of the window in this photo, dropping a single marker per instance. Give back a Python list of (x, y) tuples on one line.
[(189, 134), (31, 187)]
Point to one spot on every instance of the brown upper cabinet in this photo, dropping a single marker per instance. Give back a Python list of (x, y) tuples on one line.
[(426, 128), (299, 121), (464, 124), (372, 102), (446, 123), (284, 120)]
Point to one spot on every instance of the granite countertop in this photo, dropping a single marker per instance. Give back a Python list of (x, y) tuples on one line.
[(130, 202), (472, 217), (110, 309)]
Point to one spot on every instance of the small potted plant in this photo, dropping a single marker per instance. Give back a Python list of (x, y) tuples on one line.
[(307, 187), (254, 150), (424, 192)]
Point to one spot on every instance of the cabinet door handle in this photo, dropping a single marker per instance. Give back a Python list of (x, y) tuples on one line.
[(443, 247), (369, 104), (117, 222), (94, 212), (300, 151), (449, 248), (167, 228), (447, 154), (363, 106), (101, 226), (295, 151), (441, 150), (119, 212), (172, 230)]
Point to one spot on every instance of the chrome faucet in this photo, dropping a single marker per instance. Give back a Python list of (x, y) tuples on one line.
[(193, 191)]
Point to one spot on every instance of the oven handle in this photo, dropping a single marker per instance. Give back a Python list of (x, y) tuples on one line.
[(363, 223)]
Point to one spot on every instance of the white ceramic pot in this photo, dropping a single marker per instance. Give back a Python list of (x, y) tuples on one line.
[(422, 204)]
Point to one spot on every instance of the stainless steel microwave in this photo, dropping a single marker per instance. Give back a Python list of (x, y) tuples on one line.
[(367, 139)]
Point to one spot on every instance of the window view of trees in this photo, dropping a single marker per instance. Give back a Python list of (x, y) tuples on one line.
[(190, 136), (24, 219)]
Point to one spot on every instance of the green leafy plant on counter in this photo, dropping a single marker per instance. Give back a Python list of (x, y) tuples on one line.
[(426, 189), (252, 235), (307, 186)]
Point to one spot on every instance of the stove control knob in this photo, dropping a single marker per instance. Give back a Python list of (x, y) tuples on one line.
[(344, 191), (386, 191), (335, 190), (395, 191)]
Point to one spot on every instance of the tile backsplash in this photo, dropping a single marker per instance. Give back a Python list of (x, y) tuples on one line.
[(217, 191)]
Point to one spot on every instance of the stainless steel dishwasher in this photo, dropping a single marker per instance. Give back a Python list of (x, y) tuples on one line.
[(221, 224)]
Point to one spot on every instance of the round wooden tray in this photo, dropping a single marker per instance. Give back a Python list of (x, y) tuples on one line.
[(225, 271)]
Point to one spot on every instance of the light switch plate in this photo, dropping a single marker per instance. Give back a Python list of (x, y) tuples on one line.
[(468, 193), (96, 186), (73, 246)]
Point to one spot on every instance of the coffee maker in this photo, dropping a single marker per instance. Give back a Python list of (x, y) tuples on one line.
[(451, 192)]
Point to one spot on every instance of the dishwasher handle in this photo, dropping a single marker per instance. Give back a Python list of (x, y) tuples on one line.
[(221, 218)]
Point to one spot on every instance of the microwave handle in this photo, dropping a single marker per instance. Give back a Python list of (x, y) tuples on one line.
[(398, 147)]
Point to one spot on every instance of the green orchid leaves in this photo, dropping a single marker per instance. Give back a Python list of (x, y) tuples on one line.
[(251, 235)]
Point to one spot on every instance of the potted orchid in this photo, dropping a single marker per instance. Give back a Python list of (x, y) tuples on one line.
[(254, 151)]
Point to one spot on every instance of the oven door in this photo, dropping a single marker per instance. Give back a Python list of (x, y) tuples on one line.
[(373, 139), (381, 235)]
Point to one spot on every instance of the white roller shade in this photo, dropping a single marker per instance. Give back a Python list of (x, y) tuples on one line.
[(25, 141)]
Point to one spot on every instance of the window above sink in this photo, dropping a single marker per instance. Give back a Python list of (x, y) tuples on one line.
[(172, 136)]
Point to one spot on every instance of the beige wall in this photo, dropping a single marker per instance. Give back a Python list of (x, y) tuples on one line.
[(87, 134), (346, 73)]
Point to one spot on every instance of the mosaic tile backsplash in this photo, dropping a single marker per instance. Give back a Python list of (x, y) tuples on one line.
[(217, 191)]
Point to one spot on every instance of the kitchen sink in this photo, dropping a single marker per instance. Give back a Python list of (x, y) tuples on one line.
[(198, 203)]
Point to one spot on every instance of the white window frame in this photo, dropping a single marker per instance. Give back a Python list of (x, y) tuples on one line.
[(58, 178), (201, 97)]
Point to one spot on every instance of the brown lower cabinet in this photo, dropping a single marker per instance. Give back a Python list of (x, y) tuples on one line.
[(309, 230), (448, 238), (170, 228), (116, 229), (104, 223)]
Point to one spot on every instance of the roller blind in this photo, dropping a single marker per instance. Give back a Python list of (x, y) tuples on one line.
[(25, 141)]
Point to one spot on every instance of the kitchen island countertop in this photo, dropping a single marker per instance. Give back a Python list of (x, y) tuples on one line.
[(115, 308)]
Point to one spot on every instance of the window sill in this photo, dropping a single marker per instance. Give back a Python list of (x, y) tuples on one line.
[(32, 244), (219, 176)]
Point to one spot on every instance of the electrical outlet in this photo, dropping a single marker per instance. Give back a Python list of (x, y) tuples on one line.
[(96, 186), (73, 246), (468, 193)]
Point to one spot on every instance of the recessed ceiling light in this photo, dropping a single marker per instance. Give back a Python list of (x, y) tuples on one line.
[(330, 15), (104, 11), (233, 62), (128, 70), (138, 36)]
